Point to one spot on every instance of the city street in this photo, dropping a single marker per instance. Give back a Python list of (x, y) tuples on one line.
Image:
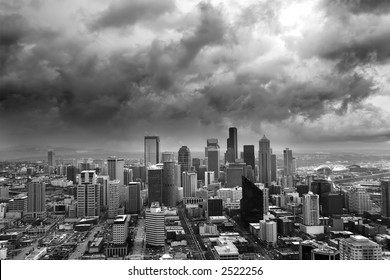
[(82, 247)]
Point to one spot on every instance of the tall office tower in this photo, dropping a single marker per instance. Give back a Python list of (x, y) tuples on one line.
[(133, 198), (127, 176), (311, 209), (214, 207), (287, 160), (120, 229), (332, 204), (213, 157), (234, 173), (232, 142), (88, 195), (113, 199), (189, 183), (50, 158), (184, 158), (385, 186), (155, 178), (152, 150), (251, 203), (359, 200), (209, 177), (358, 247), (155, 225), (265, 161), (167, 156), (104, 182), (320, 187), (36, 203), (294, 165), (170, 188), (274, 171), (265, 197), (116, 169), (249, 155), (196, 164), (229, 156), (202, 171)]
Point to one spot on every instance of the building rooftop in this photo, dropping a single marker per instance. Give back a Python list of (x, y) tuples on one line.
[(229, 249), (120, 219)]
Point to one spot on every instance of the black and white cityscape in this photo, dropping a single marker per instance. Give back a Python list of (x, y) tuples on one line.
[(194, 130)]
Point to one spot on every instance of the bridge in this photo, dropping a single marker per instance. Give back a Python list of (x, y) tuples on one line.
[(354, 179)]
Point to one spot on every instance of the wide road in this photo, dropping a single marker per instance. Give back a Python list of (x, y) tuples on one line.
[(82, 247), (191, 232), (138, 248)]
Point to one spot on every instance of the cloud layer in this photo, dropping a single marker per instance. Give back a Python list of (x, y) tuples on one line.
[(305, 72)]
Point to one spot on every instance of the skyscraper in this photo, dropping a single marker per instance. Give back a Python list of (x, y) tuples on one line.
[(311, 209), (232, 141), (273, 168), (88, 195), (213, 157), (251, 203), (189, 183), (265, 161), (385, 186), (287, 160), (113, 199), (152, 150), (249, 155), (155, 225), (170, 187), (184, 158), (50, 158), (133, 198), (36, 199), (116, 169), (155, 178)]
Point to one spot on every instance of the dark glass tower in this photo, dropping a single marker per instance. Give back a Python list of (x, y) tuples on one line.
[(232, 141), (251, 204), (249, 155), (184, 158)]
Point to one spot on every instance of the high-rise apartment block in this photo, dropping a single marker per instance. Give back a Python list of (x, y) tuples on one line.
[(311, 209)]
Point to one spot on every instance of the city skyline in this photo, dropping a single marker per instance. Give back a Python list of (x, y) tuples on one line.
[(98, 75)]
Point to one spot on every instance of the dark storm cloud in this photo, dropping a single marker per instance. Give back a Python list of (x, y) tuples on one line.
[(205, 77), (360, 6), (122, 13), (355, 33), (210, 31), (12, 29), (284, 99)]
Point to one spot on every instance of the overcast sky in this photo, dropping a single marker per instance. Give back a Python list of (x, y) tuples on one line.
[(103, 74)]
